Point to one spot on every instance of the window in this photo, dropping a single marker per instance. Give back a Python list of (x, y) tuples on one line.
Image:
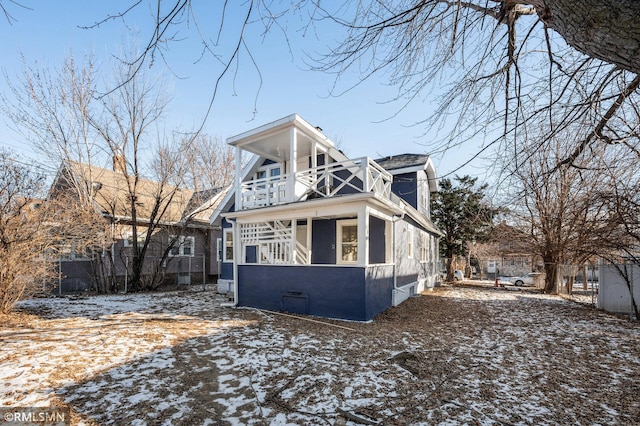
[(424, 196), (347, 237), (424, 247), (409, 241), (228, 245), (128, 238), (218, 249), (182, 245), (269, 172)]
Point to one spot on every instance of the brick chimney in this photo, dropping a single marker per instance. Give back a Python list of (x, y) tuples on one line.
[(119, 163)]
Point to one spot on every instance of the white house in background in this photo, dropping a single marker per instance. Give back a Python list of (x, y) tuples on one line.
[(308, 230)]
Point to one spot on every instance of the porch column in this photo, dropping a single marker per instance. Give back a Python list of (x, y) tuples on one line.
[(294, 241), (309, 236), (314, 155), (293, 163), (363, 236), (238, 179)]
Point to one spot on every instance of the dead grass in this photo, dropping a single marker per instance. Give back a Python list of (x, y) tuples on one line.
[(454, 355)]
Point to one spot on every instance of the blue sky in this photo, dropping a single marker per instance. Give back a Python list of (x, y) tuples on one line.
[(360, 121)]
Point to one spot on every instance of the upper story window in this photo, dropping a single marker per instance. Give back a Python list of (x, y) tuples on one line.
[(424, 195), (270, 171)]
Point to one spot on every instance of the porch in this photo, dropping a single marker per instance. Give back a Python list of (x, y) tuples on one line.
[(359, 175)]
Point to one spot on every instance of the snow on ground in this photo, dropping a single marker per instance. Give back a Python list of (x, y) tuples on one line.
[(453, 356)]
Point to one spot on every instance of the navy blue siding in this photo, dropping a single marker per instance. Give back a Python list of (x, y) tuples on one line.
[(226, 271), (344, 175), (251, 254), (226, 268), (405, 186), (376, 240), (352, 293), (379, 281)]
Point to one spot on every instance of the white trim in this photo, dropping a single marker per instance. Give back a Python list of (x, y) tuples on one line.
[(225, 238), (410, 242), (340, 224)]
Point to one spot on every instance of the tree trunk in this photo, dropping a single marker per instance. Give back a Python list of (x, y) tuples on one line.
[(450, 256), (551, 278), (605, 29)]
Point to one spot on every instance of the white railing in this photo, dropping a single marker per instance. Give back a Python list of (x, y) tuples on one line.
[(274, 242), (264, 192), (351, 176)]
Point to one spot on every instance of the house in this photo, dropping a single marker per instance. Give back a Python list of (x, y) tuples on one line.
[(179, 251), (510, 251), (308, 230)]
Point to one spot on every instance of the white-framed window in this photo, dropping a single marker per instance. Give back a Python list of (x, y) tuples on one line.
[(228, 245), (347, 241), (424, 246), (269, 172), (182, 245), (218, 249), (410, 241), (424, 196), (128, 238)]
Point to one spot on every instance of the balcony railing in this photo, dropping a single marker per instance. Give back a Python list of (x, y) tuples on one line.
[(345, 177)]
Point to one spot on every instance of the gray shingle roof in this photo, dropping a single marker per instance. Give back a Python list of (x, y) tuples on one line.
[(401, 161)]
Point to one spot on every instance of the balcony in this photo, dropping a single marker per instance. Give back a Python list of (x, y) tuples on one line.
[(360, 175)]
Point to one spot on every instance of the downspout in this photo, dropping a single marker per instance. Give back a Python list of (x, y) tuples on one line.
[(236, 258), (395, 219)]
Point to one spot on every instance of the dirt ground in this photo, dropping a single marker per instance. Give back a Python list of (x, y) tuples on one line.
[(453, 356)]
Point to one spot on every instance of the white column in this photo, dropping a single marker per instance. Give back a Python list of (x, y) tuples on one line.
[(309, 236), (294, 240), (238, 181), (363, 236), (293, 161)]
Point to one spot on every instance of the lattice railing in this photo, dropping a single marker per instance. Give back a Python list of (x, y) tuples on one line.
[(351, 176), (274, 241)]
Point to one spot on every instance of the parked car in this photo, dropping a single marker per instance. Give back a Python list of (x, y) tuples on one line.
[(458, 275), (529, 279)]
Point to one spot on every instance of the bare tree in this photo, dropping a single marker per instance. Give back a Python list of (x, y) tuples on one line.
[(210, 163), (494, 65), (71, 121), (565, 219), (52, 108), (23, 232)]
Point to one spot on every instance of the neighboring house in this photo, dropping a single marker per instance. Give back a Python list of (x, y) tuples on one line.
[(308, 230), (181, 249), (509, 251)]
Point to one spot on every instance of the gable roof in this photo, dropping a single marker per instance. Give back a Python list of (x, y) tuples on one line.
[(407, 163), (109, 192)]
